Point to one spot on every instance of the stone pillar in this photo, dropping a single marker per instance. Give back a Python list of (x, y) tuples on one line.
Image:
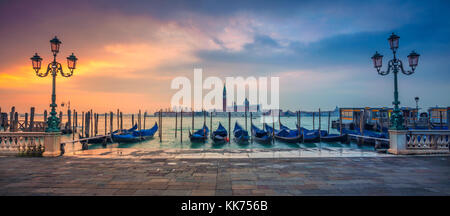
[(397, 142), (52, 144)]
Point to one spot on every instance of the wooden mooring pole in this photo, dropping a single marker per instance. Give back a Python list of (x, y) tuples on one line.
[(45, 116), (161, 130), (82, 124), (246, 120), (76, 120), (192, 129), (111, 119), (340, 121), (30, 128), (106, 123), (145, 117), (181, 125), (176, 123), (251, 123), (121, 121), (119, 126), (87, 124), (329, 119), (204, 117), (139, 120), (279, 119), (26, 122), (320, 123), (229, 126), (314, 116), (273, 126), (11, 119), (299, 119)]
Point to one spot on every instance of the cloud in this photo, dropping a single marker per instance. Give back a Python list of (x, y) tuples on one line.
[(128, 50)]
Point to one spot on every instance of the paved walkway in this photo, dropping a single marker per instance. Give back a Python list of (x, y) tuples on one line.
[(91, 174)]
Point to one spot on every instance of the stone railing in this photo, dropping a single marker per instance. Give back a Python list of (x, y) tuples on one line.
[(26, 143), (428, 139)]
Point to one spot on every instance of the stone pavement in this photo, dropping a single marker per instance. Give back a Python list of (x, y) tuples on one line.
[(94, 175)]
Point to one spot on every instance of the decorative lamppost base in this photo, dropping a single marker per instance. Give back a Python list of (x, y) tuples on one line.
[(397, 141), (52, 144)]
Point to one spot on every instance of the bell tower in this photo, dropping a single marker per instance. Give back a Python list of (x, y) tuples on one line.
[(224, 98)]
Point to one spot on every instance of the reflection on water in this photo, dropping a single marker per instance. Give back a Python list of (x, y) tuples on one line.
[(169, 140)]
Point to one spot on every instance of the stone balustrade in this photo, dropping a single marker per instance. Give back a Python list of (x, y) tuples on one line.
[(428, 139), (419, 141), (15, 143)]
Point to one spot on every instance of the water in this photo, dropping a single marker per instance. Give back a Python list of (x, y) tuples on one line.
[(169, 140)]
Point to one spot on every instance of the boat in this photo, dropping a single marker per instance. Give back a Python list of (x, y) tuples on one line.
[(126, 130), (285, 134), (334, 138), (240, 135), (260, 136), (200, 135), (366, 133), (95, 140), (147, 133), (103, 139), (306, 131), (220, 135), (133, 135), (310, 136)]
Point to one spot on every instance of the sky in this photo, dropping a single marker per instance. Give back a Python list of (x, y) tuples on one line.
[(130, 51)]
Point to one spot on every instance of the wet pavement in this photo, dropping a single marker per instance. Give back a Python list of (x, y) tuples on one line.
[(173, 172)]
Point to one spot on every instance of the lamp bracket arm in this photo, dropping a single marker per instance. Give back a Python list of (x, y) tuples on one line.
[(403, 70), (384, 73), (49, 68), (62, 72)]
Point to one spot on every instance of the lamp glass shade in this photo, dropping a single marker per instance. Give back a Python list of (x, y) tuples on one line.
[(72, 62), (36, 61), (377, 60), (55, 44), (393, 41), (413, 59)]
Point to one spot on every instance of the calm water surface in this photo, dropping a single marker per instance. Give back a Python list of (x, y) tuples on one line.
[(169, 140)]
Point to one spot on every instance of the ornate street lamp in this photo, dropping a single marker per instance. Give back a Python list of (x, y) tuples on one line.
[(54, 68), (395, 65)]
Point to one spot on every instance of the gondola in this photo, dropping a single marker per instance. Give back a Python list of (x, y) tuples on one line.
[(105, 139), (220, 135), (97, 140), (240, 135), (284, 135), (147, 133), (334, 138), (200, 135), (311, 136), (260, 136), (126, 130), (305, 131), (366, 133), (135, 136)]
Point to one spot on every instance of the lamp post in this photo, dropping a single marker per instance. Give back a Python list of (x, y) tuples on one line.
[(53, 68), (395, 65)]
